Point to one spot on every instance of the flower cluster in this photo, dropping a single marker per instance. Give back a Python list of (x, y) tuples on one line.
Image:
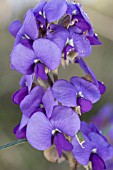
[(57, 33)]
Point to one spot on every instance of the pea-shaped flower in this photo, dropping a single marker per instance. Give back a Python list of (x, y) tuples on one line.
[(42, 132)]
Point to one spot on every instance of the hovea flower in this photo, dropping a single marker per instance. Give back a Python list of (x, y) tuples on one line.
[(78, 92), (42, 132), (27, 80), (81, 31), (29, 104), (45, 51), (80, 18), (35, 18), (50, 10), (32, 101), (95, 148), (27, 32), (88, 71), (26, 85)]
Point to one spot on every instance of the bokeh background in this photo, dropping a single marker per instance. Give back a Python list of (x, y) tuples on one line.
[(24, 157)]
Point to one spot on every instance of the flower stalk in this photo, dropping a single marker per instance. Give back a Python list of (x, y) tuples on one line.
[(14, 143)]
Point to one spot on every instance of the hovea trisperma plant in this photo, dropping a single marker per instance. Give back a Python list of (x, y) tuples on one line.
[(54, 33)]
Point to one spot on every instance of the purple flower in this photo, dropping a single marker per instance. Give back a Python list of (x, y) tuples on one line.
[(42, 132), (45, 51), (27, 80), (29, 104), (95, 148), (88, 71), (80, 18), (77, 92), (25, 32), (15, 27), (81, 31), (32, 101)]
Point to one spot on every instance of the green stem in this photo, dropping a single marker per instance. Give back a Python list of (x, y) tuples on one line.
[(14, 143)]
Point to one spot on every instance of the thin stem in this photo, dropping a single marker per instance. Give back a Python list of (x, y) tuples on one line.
[(55, 75), (14, 143), (50, 80)]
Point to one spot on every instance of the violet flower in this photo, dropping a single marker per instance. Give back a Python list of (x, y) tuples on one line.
[(42, 132), (78, 92), (28, 58), (81, 31), (95, 148), (31, 104), (32, 101), (88, 71)]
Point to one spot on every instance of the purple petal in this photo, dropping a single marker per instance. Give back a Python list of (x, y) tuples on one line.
[(73, 30), (27, 43), (82, 24), (82, 152), (22, 59), (97, 162), (85, 88), (48, 52), (40, 71), (86, 129), (62, 143), (24, 122), (83, 15), (20, 134), (104, 149), (58, 36), (48, 101), (82, 45), (94, 40), (39, 6), (29, 81), (52, 10), (39, 131), (85, 105), (32, 101), (65, 93), (65, 120), (19, 95), (102, 87), (41, 20), (58, 145), (86, 69), (30, 26), (22, 82), (15, 27), (70, 8)]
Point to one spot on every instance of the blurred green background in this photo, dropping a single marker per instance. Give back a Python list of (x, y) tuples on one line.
[(24, 157)]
